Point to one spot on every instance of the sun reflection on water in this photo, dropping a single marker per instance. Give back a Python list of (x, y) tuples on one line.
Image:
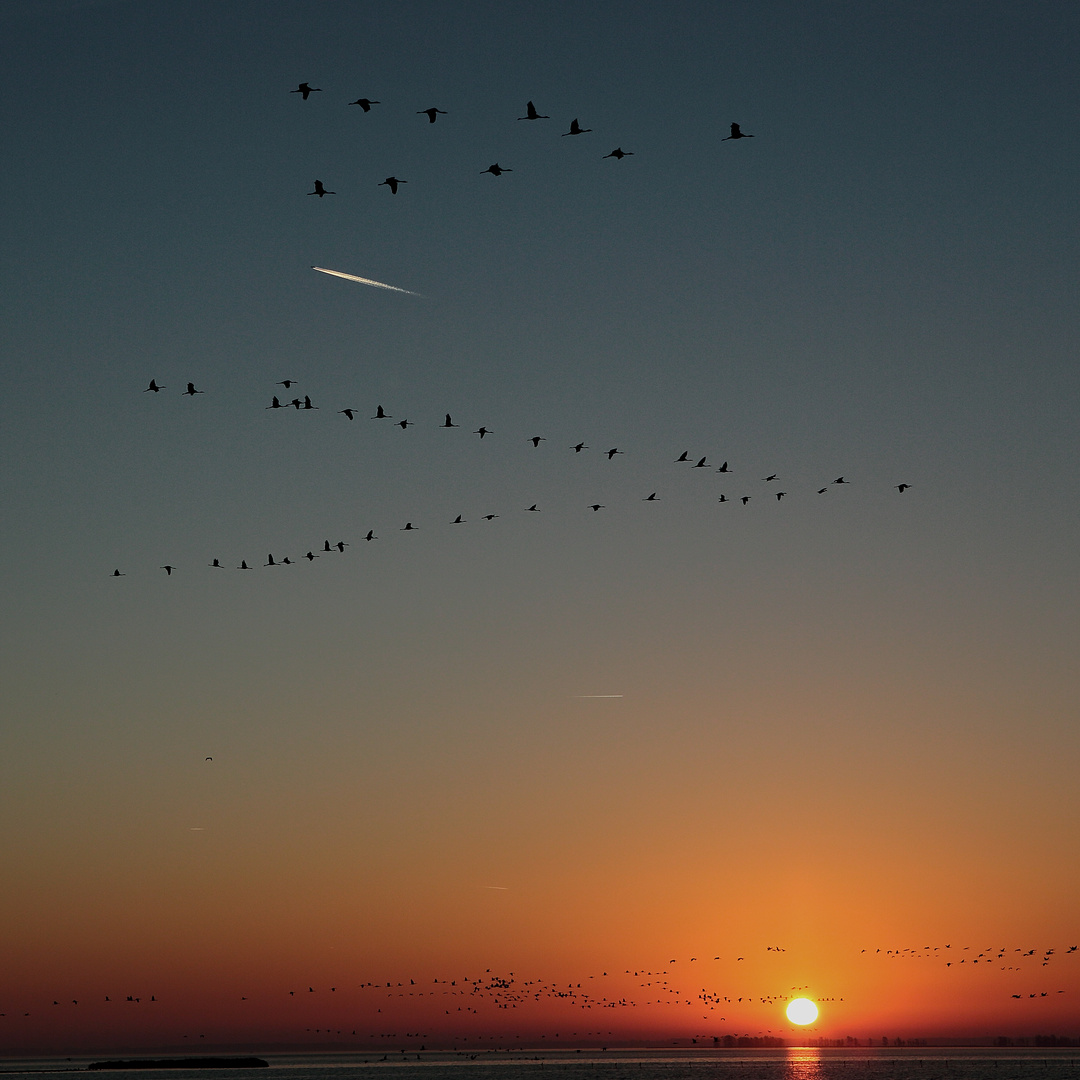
[(804, 1063)]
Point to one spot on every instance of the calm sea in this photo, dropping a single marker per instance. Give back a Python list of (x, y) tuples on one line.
[(922, 1063)]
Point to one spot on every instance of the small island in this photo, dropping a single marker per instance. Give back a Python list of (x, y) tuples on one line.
[(182, 1063)]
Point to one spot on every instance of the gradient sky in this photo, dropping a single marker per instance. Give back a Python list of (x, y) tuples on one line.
[(845, 721)]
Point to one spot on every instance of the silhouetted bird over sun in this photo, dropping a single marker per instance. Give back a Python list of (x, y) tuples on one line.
[(304, 89), (392, 183), (531, 113), (320, 190), (736, 133)]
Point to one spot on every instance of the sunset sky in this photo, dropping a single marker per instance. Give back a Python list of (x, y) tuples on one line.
[(717, 750)]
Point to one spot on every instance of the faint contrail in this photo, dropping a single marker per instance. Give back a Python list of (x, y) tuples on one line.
[(599, 695), (364, 280)]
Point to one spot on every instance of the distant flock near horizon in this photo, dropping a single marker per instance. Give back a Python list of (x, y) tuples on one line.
[(380, 414), (510, 991)]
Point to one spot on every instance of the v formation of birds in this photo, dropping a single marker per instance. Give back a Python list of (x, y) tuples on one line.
[(305, 404)]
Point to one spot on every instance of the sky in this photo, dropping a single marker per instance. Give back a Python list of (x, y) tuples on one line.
[(725, 752)]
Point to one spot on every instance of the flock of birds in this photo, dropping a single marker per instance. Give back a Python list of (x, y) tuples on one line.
[(470, 1001), (305, 90), (773, 490)]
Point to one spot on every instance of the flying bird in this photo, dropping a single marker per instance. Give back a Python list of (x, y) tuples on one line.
[(459, 520), (341, 546), (285, 382), (619, 153), (270, 561), (780, 495), (771, 476), (116, 573), (536, 440), (612, 452), (736, 133), (308, 405), (651, 498), (168, 570), (370, 535), (403, 424), (533, 509), (447, 422), (365, 103), (746, 499), (190, 391), (392, 183), (350, 413), (482, 431), (596, 506), (217, 563), (243, 565), (576, 128), (532, 114), (409, 527), (723, 498), (380, 415), (495, 170), (320, 190), (701, 464), (304, 89), (490, 517), (431, 114), (684, 456), (723, 468), (153, 386), (578, 447), (902, 488), (310, 556), (840, 480), (275, 404)]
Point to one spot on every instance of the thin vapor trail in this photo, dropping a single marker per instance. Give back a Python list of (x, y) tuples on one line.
[(599, 695), (364, 280)]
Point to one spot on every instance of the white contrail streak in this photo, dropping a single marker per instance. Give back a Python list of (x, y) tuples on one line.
[(364, 280)]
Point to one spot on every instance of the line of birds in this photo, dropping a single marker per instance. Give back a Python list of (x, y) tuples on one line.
[(305, 90)]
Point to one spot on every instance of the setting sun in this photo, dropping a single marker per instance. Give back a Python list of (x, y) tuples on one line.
[(802, 1011)]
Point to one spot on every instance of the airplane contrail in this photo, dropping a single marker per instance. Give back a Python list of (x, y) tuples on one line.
[(364, 280)]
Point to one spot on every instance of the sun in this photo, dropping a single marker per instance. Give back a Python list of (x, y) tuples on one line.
[(802, 1011)]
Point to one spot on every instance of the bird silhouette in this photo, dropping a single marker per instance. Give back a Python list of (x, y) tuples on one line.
[(350, 413), (326, 546), (684, 456), (496, 170), (902, 488), (308, 405), (243, 565), (380, 414), (168, 570), (409, 527), (310, 556), (448, 422), (392, 183), (295, 403), (490, 517), (116, 573), (533, 509), (482, 431), (320, 190), (596, 506), (341, 546), (701, 464), (780, 495), (821, 491), (365, 103), (153, 386), (619, 153), (840, 480), (536, 440), (459, 520), (723, 498), (771, 476), (304, 89), (532, 114), (746, 499), (736, 133), (430, 114), (190, 391), (217, 563), (269, 561), (724, 468), (576, 128), (286, 383), (612, 452), (275, 404), (403, 424), (651, 498), (370, 535)]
